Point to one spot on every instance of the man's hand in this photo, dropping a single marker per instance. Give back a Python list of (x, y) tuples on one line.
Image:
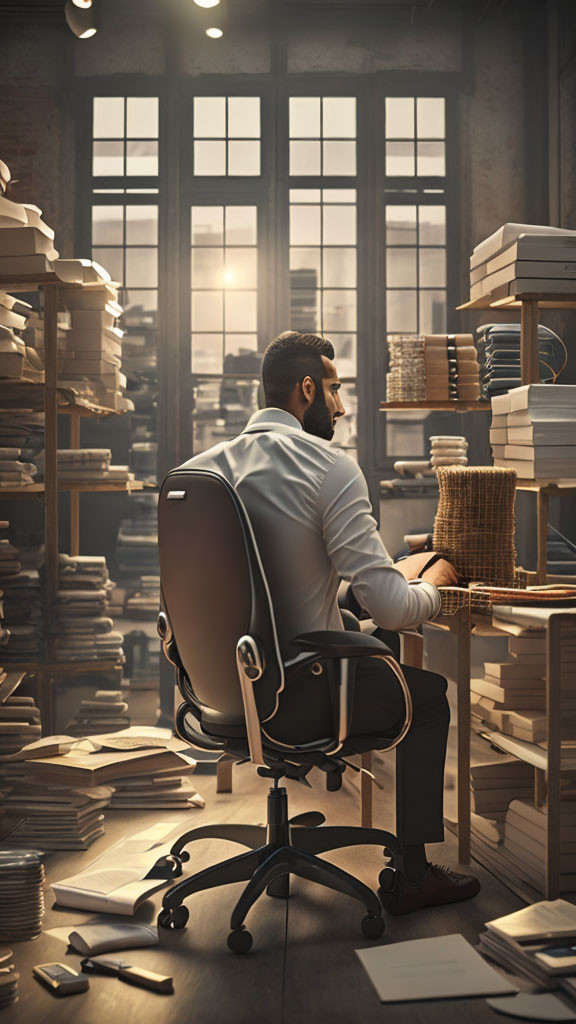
[(441, 573)]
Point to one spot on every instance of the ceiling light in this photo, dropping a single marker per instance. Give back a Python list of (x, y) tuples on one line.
[(82, 20), (214, 33), (82, 3), (207, 3)]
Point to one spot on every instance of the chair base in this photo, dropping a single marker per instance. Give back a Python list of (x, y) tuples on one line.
[(282, 848)]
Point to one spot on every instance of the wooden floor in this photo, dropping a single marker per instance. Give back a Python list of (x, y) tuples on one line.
[(302, 967)]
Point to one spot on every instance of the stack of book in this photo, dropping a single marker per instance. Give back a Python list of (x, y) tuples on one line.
[(406, 377), (22, 429), (525, 841), (511, 697), (19, 716), (92, 357), (105, 712), (536, 942), (87, 464), (495, 783), (499, 355), (26, 241), (82, 627), (522, 259), (534, 431), (21, 601), (161, 792), (13, 472), (50, 817)]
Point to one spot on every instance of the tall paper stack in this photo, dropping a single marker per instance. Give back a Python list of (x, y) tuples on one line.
[(521, 259), (82, 626), (26, 241), (534, 431)]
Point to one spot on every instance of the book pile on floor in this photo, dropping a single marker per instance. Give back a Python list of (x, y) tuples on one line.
[(21, 896), (87, 464), (432, 367), (19, 716), (499, 356), (525, 841), (528, 942), (105, 712), (82, 627), (47, 817), (521, 259), (448, 450), (8, 979), (534, 431), (155, 791)]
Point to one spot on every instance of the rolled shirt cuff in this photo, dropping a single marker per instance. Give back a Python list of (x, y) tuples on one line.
[(433, 593)]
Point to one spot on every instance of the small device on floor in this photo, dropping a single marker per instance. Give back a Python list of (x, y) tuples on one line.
[(126, 972), (60, 979)]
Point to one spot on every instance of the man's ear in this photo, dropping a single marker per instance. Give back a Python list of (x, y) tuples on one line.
[(308, 389)]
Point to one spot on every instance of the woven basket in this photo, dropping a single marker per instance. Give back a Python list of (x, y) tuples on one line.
[(474, 525)]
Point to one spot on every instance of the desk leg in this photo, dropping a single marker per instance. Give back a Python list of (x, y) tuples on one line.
[(366, 791), (463, 635), (542, 535)]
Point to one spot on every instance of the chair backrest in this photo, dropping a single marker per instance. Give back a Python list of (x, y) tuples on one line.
[(214, 590)]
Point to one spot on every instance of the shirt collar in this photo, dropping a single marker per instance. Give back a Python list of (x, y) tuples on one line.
[(272, 419)]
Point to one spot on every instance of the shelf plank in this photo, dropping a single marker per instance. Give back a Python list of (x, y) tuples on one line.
[(65, 667), (32, 393), (431, 406), (80, 486), (552, 301), (550, 487)]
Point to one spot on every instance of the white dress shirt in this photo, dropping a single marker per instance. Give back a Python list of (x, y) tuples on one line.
[(311, 514)]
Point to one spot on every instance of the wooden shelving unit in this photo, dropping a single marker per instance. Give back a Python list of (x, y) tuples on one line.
[(454, 406), (53, 400)]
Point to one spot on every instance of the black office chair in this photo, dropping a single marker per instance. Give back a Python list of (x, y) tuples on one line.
[(217, 628)]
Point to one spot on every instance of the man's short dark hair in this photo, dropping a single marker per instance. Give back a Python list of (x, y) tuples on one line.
[(288, 359)]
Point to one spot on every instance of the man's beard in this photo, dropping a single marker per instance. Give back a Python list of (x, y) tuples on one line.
[(317, 419)]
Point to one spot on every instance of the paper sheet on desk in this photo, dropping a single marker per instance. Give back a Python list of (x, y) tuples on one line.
[(444, 967)]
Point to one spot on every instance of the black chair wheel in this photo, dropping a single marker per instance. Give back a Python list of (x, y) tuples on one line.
[(372, 927), (240, 941), (183, 856), (173, 918)]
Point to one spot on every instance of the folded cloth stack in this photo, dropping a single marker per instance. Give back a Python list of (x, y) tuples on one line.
[(82, 628), (448, 450), (14, 472), (105, 712), (22, 429), (499, 353)]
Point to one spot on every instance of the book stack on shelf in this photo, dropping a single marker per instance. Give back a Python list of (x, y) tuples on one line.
[(26, 241), (534, 431), (21, 598), (18, 360), (511, 697), (521, 259), (19, 716), (87, 465), (432, 367), (105, 712), (82, 628), (22, 431), (499, 356), (493, 785)]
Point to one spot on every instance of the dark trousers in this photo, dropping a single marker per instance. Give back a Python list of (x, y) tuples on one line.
[(378, 713)]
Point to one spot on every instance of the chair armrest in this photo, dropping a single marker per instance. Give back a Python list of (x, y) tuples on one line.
[(340, 643)]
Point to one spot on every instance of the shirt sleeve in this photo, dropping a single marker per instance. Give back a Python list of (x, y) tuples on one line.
[(358, 555)]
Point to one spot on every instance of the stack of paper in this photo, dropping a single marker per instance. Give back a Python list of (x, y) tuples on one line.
[(51, 817), (525, 841), (19, 716), (22, 429), (21, 601), (94, 343), (158, 791), (105, 712), (21, 896), (495, 783), (524, 258), (406, 377), (82, 627), (13, 472), (534, 431), (26, 242), (519, 942)]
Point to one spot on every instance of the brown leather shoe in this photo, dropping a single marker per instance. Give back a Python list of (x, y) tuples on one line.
[(440, 885)]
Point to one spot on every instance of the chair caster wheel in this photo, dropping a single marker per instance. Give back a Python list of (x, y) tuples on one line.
[(387, 880), (184, 856), (240, 941), (372, 927), (173, 918)]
